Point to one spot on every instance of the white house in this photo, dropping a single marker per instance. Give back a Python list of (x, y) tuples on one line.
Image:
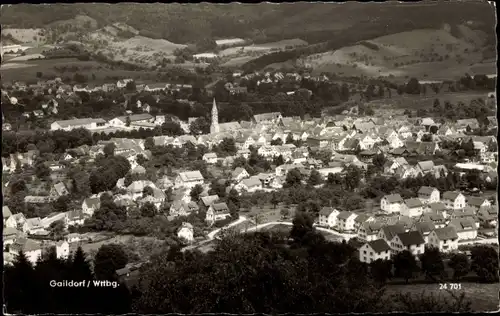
[(391, 203), (425, 228), (15, 221), (466, 228), (445, 239), (453, 200), (210, 158), (122, 121), (217, 212), (90, 205), (374, 250), (31, 249), (186, 232), (87, 123), (412, 241), (477, 202), (328, 217), (368, 231), (249, 185), (412, 208), (188, 179), (345, 221), (62, 249), (428, 195), (239, 174), (388, 232)]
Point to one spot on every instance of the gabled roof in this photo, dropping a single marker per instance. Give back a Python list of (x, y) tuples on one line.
[(220, 208), (208, 200), (424, 227), (463, 224), (437, 206), (394, 198), (6, 211), (392, 230), (446, 233), (426, 190), (345, 215), (372, 227), (326, 211), (411, 238), (426, 165), (251, 182), (191, 176), (450, 195), (476, 201), (379, 245), (413, 203), (135, 117)]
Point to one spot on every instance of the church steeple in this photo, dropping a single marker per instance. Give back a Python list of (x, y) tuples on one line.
[(214, 127)]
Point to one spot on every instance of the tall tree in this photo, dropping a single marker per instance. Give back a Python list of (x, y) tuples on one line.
[(108, 259), (432, 264), (484, 262), (460, 265), (405, 265)]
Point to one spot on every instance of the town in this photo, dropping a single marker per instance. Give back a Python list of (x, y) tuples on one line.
[(391, 181)]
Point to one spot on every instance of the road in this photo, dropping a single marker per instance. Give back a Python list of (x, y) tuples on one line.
[(479, 241), (345, 237), (212, 234)]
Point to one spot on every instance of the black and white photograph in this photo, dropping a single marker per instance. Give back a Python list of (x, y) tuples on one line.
[(249, 158)]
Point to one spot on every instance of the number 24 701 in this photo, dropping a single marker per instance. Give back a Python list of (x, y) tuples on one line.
[(450, 286)]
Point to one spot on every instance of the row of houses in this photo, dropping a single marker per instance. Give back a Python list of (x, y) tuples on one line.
[(144, 120)]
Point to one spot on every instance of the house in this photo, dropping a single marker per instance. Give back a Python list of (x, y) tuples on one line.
[(488, 215), (245, 153), (424, 167), (6, 213), (374, 250), (32, 225), (239, 174), (217, 212), (209, 200), (59, 189), (466, 228), (186, 232), (436, 218), (345, 221), (412, 241), (75, 218), (86, 123), (181, 208), (210, 158), (467, 125), (412, 207), (188, 179), (428, 195), (249, 185), (328, 217), (54, 217), (445, 239), (477, 202), (74, 238), (31, 249), (10, 235), (424, 228), (62, 249), (123, 83), (389, 231), (123, 121), (391, 203), (369, 230), (15, 221), (361, 219), (453, 200), (90, 205)]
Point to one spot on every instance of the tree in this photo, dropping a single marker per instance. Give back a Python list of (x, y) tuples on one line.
[(412, 87), (432, 264), (276, 142), (200, 126), (109, 150), (278, 161), (57, 229), (405, 265), (147, 191), (42, 171), (293, 178), (61, 204), (108, 259), (148, 210), (130, 86), (460, 265), (302, 226), (275, 199), (426, 138), (39, 74), (381, 270), (379, 161), (352, 177), (19, 285), (315, 178), (289, 139), (484, 262), (195, 193), (127, 121)]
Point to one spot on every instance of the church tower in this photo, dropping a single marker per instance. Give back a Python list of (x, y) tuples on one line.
[(214, 127)]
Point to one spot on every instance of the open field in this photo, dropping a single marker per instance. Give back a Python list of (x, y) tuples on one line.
[(26, 71), (484, 297), (25, 35), (433, 54), (396, 103), (262, 47)]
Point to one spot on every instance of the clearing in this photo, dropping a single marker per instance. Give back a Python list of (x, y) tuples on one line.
[(419, 53), (266, 47)]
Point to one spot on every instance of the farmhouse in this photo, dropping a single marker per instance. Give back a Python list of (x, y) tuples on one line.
[(465, 228), (87, 123), (188, 179), (428, 195), (412, 241), (445, 239), (391, 203), (453, 200), (217, 212), (328, 217), (374, 250)]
